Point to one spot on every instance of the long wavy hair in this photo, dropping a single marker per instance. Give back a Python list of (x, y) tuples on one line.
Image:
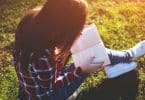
[(57, 24)]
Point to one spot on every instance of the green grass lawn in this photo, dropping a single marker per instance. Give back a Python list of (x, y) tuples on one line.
[(120, 23)]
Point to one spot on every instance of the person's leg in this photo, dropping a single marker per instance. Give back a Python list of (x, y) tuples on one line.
[(116, 70), (130, 86), (107, 90), (124, 87), (122, 61)]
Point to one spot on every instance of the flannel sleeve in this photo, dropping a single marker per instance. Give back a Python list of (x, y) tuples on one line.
[(69, 77), (47, 74)]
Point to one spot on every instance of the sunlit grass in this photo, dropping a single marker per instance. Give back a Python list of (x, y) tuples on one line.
[(120, 23)]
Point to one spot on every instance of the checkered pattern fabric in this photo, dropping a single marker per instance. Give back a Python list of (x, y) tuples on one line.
[(40, 77)]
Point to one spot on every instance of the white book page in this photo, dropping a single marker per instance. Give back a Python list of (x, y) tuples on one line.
[(88, 45)]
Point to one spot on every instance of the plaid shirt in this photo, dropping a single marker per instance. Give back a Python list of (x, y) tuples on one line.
[(41, 77)]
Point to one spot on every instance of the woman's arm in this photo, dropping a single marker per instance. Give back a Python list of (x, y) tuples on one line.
[(48, 75)]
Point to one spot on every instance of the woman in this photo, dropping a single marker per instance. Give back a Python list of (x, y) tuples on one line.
[(42, 47), (38, 36)]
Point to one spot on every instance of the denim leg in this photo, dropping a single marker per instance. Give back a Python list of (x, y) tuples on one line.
[(118, 56)]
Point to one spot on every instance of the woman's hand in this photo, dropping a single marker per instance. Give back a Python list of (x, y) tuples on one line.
[(90, 67)]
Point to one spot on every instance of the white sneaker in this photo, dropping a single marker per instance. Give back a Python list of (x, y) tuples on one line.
[(116, 70), (138, 50)]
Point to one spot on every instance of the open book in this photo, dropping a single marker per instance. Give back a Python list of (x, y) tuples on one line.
[(89, 44)]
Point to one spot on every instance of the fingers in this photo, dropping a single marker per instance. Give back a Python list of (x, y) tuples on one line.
[(90, 66), (97, 60), (91, 60), (97, 66)]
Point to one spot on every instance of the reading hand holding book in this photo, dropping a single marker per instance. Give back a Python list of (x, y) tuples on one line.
[(93, 67), (90, 44)]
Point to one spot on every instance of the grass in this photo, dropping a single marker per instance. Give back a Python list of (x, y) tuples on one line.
[(120, 23)]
